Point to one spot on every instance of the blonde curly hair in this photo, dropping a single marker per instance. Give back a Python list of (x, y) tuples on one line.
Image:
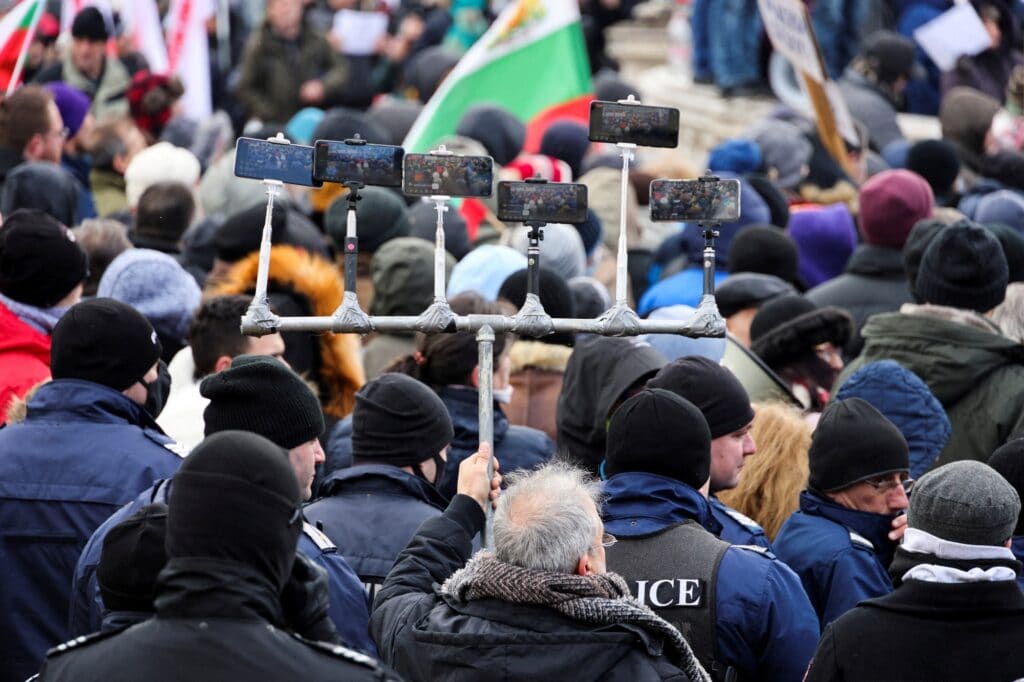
[(769, 490)]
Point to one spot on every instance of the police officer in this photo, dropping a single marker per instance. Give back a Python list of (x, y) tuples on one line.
[(842, 539), (259, 394), (723, 401), (232, 527), (744, 612)]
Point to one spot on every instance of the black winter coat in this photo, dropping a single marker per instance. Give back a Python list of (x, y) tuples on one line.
[(213, 623), (874, 282), (927, 631), (427, 637)]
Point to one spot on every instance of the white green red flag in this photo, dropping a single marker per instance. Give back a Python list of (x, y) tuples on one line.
[(17, 28), (531, 61)]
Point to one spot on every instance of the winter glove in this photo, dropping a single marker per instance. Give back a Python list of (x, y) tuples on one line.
[(305, 600)]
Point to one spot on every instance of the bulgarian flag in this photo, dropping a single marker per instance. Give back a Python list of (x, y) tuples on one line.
[(531, 61), (17, 28)]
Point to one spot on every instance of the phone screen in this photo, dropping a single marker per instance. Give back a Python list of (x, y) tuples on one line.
[(371, 164), (448, 175), (263, 160), (634, 123), (544, 202), (695, 200)]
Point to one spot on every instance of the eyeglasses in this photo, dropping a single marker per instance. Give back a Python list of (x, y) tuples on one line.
[(64, 133), (607, 540), (887, 485)]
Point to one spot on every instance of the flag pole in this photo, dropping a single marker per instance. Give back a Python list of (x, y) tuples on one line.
[(30, 34)]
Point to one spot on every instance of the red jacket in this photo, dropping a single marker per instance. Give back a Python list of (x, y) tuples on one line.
[(24, 358)]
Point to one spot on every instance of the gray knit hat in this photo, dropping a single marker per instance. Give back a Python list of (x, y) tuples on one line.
[(966, 502)]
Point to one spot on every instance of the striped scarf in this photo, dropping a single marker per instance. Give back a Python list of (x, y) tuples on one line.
[(597, 599)]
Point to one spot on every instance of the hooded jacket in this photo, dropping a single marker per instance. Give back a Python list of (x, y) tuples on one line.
[(927, 630), (109, 94), (24, 358), (390, 505), (977, 375), (765, 626), (904, 400), (600, 370), (339, 373), (82, 452), (840, 554), (516, 447), (537, 371), (349, 610), (426, 636), (874, 282)]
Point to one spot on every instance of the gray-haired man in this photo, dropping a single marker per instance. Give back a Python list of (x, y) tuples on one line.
[(541, 606)]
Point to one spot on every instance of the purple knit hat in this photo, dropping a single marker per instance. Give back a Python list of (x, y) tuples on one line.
[(825, 238), (72, 103)]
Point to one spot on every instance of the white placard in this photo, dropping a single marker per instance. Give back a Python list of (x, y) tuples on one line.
[(359, 31), (954, 33), (789, 29), (841, 113)]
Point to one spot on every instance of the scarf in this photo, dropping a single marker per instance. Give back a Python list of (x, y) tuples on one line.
[(919, 542), (43, 320), (596, 599)]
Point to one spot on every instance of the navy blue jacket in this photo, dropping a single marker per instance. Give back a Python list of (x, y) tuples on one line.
[(765, 626), (349, 609), (516, 447), (370, 512), (82, 452), (841, 555), (1017, 547), (737, 528)]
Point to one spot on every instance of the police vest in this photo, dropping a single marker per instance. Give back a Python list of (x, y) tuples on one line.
[(675, 571)]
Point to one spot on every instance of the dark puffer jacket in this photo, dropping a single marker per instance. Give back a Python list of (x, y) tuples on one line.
[(424, 636)]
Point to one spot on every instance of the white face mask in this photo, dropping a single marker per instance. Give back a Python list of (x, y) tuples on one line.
[(503, 395)]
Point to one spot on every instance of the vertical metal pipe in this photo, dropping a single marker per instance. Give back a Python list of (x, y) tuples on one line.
[(709, 259), (485, 345), (260, 296), (351, 249), (439, 253), (621, 264)]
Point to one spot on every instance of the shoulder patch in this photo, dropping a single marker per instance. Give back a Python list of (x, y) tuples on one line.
[(177, 448), (743, 519), (83, 641), (339, 651), (318, 537), (858, 539)]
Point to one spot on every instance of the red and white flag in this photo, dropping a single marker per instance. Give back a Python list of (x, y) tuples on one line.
[(17, 28), (188, 54), (142, 21)]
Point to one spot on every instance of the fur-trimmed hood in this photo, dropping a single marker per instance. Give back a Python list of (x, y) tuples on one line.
[(539, 355), (315, 279), (792, 339)]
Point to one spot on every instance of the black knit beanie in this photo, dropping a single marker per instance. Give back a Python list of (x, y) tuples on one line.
[(261, 394), (40, 261), (716, 392), (133, 555), (399, 421), (922, 234), (555, 296), (749, 290), (765, 249), (104, 341), (381, 215), (236, 498), (658, 432), (1008, 460), (242, 232), (854, 442), (964, 267)]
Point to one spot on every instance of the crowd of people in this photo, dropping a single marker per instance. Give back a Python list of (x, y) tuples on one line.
[(831, 492)]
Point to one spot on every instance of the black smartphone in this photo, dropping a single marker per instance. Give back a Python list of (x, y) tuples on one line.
[(370, 164), (638, 124), (448, 175), (544, 202), (264, 160), (695, 200)]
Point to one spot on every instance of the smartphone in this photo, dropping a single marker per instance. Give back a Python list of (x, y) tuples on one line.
[(370, 164), (544, 202), (638, 124), (695, 200), (263, 160), (448, 175)]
